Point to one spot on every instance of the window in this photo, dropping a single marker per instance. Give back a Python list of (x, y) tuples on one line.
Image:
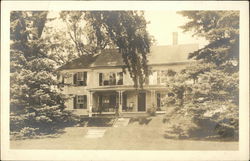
[(112, 79), (108, 79), (80, 102), (120, 78), (80, 76), (80, 79), (162, 77), (158, 77), (105, 79), (153, 78), (63, 80), (158, 98)]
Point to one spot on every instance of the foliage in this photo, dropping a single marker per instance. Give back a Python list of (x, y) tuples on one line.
[(206, 94), (151, 111), (36, 104), (36, 51), (92, 31), (221, 29), (142, 120)]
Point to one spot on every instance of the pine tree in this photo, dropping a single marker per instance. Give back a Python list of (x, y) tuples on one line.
[(36, 104), (212, 99)]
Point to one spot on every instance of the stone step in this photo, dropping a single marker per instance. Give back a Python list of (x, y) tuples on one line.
[(95, 133), (121, 122)]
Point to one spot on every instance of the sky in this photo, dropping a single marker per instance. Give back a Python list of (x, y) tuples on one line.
[(164, 23)]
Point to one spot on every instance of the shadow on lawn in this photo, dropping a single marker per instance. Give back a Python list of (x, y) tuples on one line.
[(40, 134), (215, 138), (97, 122), (143, 120)]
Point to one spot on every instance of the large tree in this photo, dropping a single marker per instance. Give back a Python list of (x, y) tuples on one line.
[(211, 100), (92, 31), (36, 103), (221, 29)]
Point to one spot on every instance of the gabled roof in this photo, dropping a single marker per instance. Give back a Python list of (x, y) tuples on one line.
[(108, 57), (111, 57), (80, 63), (171, 53)]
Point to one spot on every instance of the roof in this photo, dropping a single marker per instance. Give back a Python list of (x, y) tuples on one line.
[(111, 57), (171, 53), (82, 62)]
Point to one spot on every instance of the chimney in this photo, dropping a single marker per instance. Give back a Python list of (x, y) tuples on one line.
[(175, 38)]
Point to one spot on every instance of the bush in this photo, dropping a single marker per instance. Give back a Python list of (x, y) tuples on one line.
[(47, 121), (151, 111), (195, 121), (26, 132), (141, 120), (209, 105), (178, 125)]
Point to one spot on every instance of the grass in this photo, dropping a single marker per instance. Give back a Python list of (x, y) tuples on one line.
[(143, 133)]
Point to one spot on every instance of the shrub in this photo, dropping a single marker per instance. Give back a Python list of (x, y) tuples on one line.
[(26, 132), (47, 121), (210, 105), (141, 120), (151, 111)]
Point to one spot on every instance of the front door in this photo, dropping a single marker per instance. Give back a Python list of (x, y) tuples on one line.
[(124, 101), (141, 101)]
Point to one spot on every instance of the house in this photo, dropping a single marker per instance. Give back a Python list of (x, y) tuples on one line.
[(96, 83)]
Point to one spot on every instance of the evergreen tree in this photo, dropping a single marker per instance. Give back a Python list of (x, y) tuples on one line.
[(36, 104), (212, 99)]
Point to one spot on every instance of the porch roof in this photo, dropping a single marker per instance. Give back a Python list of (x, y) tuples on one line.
[(128, 88)]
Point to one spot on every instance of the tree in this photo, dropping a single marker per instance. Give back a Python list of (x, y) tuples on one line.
[(36, 105), (92, 31), (221, 29), (211, 100)]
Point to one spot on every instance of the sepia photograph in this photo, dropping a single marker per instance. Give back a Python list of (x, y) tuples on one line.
[(144, 80)]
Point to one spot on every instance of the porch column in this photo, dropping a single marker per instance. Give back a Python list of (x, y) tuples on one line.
[(120, 100), (153, 97), (90, 103)]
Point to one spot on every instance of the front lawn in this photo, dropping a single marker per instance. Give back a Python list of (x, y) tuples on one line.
[(145, 133)]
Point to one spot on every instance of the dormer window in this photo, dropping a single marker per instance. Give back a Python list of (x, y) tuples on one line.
[(80, 78)]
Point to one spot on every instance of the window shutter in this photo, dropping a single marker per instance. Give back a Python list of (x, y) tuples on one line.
[(75, 102), (75, 78), (100, 79), (85, 78), (85, 101)]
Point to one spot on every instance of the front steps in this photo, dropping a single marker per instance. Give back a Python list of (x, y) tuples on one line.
[(120, 122), (95, 133)]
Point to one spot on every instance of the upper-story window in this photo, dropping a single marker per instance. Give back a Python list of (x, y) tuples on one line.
[(160, 76), (80, 79), (108, 79)]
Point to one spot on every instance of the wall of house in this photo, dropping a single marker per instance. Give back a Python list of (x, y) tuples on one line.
[(93, 76), (93, 82), (70, 106), (176, 67)]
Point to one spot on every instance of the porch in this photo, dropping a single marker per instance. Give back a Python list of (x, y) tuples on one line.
[(124, 101)]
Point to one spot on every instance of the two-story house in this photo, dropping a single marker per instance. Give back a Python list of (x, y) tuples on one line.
[(96, 82)]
